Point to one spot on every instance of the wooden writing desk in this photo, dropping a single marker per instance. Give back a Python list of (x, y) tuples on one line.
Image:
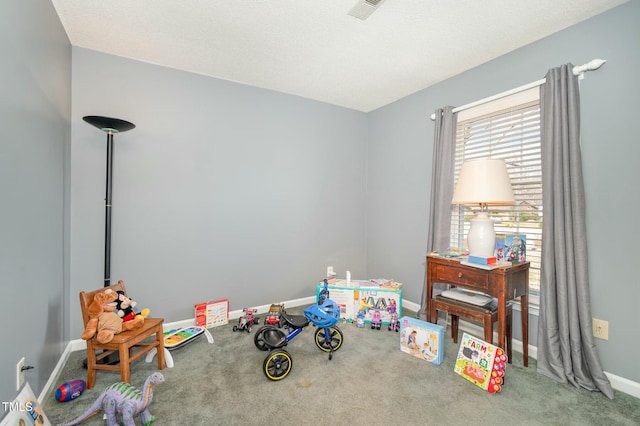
[(504, 284)]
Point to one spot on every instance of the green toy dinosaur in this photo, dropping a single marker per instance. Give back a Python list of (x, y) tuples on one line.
[(123, 399)]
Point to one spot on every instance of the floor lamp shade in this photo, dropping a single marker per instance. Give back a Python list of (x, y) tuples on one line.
[(110, 126), (483, 181)]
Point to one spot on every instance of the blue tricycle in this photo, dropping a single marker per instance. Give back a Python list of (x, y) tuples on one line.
[(328, 336)]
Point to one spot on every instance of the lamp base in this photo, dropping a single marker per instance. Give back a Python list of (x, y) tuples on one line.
[(482, 236)]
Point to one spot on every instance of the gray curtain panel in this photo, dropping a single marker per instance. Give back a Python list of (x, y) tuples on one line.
[(444, 143), (566, 349)]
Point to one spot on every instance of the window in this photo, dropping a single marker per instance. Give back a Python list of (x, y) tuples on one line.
[(508, 128)]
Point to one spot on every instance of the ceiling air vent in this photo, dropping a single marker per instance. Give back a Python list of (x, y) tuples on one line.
[(364, 8)]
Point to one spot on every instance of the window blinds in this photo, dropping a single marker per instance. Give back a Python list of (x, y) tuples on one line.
[(507, 129)]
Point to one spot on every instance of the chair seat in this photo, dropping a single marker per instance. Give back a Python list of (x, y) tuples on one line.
[(486, 315), (135, 335)]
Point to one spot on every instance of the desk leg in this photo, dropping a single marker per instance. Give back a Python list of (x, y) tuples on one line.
[(502, 317), (524, 302)]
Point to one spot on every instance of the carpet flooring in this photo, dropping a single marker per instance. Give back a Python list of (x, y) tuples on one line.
[(368, 381)]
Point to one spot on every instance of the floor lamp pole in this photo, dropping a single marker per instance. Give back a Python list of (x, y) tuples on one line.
[(107, 211)]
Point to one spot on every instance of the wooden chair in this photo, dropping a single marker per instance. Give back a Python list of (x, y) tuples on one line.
[(123, 343), (486, 315)]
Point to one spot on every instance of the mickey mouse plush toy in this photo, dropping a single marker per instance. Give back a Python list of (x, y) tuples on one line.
[(124, 307)]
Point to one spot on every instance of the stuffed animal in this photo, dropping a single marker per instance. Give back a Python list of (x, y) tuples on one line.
[(124, 308), (104, 323)]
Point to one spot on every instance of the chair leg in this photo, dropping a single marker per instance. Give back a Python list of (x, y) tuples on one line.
[(454, 328), (488, 329), (91, 368), (160, 348), (125, 364), (509, 331), (433, 314)]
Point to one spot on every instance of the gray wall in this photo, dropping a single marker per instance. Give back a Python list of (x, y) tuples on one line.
[(35, 108), (221, 191), (400, 157)]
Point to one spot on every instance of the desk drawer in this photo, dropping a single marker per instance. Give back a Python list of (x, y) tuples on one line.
[(462, 276)]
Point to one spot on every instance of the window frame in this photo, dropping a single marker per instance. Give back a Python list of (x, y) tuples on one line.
[(508, 128)]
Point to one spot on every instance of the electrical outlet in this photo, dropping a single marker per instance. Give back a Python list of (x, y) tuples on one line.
[(19, 374), (600, 329)]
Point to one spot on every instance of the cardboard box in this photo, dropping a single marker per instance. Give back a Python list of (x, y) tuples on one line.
[(422, 339), (364, 296), (511, 247)]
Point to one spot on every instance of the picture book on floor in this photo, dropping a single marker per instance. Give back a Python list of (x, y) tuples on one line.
[(212, 314), (482, 363), (422, 339)]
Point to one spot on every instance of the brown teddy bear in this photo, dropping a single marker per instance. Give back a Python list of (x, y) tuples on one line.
[(104, 322)]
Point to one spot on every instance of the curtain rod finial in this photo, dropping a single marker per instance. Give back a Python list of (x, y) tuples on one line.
[(592, 65), (595, 64)]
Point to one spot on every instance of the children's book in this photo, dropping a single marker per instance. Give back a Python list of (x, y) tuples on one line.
[(212, 314), (24, 410), (422, 339), (482, 363)]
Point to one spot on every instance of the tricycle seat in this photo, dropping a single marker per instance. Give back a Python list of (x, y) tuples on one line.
[(297, 321), (274, 338)]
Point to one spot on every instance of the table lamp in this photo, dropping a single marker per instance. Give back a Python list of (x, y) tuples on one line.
[(483, 181)]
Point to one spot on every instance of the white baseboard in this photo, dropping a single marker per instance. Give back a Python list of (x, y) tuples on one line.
[(410, 305), (624, 385), (53, 378), (618, 383)]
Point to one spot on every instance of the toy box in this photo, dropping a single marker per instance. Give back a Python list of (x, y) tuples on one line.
[(511, 247), (422, 339), (365, 297), (482, 363)]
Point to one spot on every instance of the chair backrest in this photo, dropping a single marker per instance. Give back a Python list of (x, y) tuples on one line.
[(87, 297)]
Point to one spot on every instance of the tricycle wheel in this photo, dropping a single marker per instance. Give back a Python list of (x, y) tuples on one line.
[(328, 341), (235, 328), (277, 364), (258, 338)]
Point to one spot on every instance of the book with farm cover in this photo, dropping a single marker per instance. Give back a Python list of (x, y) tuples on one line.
[(482, 363)]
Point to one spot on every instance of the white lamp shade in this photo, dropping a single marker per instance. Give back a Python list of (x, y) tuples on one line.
[(483, 181)]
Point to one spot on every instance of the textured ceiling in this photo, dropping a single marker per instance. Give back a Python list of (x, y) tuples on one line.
[(314, 48)]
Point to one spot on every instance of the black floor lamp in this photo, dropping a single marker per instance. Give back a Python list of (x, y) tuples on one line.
[(110, 126)]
